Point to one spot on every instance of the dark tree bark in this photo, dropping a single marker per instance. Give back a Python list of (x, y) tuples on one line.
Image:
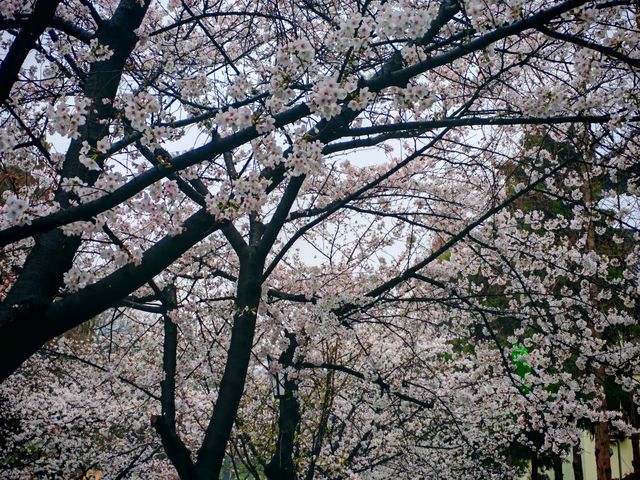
[(602, 451), (282, 465), (41, 17), (557, 468), (165, 425), (22, 312), (576, 461), (212, 451), (535, 467)]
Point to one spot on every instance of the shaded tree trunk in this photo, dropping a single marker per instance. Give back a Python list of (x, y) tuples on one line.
[(22, 314), (212, 451), (601, 430), (282, 465), (602, 451), (576, 461), (557, 468), (535, 467), (165, 425)]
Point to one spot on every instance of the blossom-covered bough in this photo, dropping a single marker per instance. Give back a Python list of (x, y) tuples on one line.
[(361, 208)]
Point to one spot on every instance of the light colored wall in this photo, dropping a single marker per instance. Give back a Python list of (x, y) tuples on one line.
[(624, 460)]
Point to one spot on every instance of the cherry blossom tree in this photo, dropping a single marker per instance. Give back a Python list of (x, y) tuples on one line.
[(321, 203)]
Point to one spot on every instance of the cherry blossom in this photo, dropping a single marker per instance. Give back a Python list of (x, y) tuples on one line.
[(381, 239)]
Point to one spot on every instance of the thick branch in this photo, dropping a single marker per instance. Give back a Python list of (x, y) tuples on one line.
[(415, 127), (41, 16), (20, 340), (607, 51), (401, 77), (212, 451), (24, 307), (282, 466), (165, 425)]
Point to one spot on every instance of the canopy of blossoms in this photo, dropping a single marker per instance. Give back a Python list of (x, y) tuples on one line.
[(317, 239)]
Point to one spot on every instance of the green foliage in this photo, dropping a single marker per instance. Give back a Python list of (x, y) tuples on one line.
[(518, 351)]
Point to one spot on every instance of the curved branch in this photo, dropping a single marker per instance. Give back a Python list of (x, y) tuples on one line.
[(414, 127)]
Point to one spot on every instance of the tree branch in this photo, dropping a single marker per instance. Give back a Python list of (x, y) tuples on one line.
[(43, 12)]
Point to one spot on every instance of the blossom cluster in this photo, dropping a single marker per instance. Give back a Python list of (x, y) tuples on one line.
[(139, 107), (239, 88), (250, 189), (234, 118), (13, 210), (405, 20), (361, 99), (417, 97), (153, 136), (67, 120), (297, 54), (325, 97), (96, 52), (267, 152), (106, 183), (292, 62), (77, 278), (194, 87), (7, 141), (87, 155), (221, 205), (306, 159), (352, 33), (10, 8)]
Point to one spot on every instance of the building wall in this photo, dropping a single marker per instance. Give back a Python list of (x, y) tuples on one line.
[(621, 459)]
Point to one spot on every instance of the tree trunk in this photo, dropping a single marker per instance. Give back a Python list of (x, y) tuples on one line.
[(557, 468), (535, 467), (212, 451), (22, 327), (603, 454), (576, 461), (635, 448), (282, 465), (601, 431), (165, 425)]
